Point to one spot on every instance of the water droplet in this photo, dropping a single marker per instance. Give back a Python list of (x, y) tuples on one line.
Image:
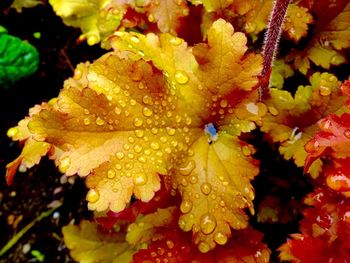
[(167, 150), (206, 188), (182, 224), (117, 110), (77, 74), (64, 164), (186, 206), (273, 110), (181, 77), (147, 100), (208, 223), (220, 238), (223, 103), (203, 247), (154, 145), (147, 112), (154, 130), (170, 131), (170, 244), (252, 108), (176, 41), (92, 196), (140, 179), (151, 18), (193, 179), (132, 102), (138, 122), (111, 174), (139, 133), (120, 155), (178, 118), (142, 159), (188, 168), (100, 121), (137, 148), (135, 39), (325, 91)]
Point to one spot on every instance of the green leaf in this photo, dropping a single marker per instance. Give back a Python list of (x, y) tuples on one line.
[(18, 59)]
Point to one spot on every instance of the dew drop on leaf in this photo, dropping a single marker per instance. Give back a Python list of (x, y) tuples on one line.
[(100, 121), (140, 179), (120, 155), (188, 168), (186, 206), (137, 148), (176, 41), (147, 112), (135, 39), (208, 223), (203, 247), (206, 188), (92, 196), (220, 238), (111, 174), (138, 122), (86, 121), (64, 164), (325, 91), (170, 131), (154, 145), (139, 133), (181, 77)]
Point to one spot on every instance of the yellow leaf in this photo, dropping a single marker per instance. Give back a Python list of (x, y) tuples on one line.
[(147, 108), (144, 229), (280, 71), (297, 22), (167, 14), (215, 188), (89, 244), (255, 14), (97, 19), (20, 4), (293, 121), (213, 5), (327, 44)]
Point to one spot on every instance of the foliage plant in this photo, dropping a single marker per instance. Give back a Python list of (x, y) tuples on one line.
[(158, 126)]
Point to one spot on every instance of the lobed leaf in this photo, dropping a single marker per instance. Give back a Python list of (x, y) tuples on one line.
[(331, 36), (147, 110), (90, 244), (297, 22), (293, 121), (215, 187)]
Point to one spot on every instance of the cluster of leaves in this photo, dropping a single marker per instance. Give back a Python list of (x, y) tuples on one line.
[(325, 227), (160, 119)]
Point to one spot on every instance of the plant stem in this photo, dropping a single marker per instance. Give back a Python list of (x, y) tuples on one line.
[(271, 42)]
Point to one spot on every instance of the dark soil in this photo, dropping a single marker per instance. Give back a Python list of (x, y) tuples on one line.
[(34, 190)]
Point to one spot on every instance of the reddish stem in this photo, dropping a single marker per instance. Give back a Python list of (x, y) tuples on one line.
[(271, 41)]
